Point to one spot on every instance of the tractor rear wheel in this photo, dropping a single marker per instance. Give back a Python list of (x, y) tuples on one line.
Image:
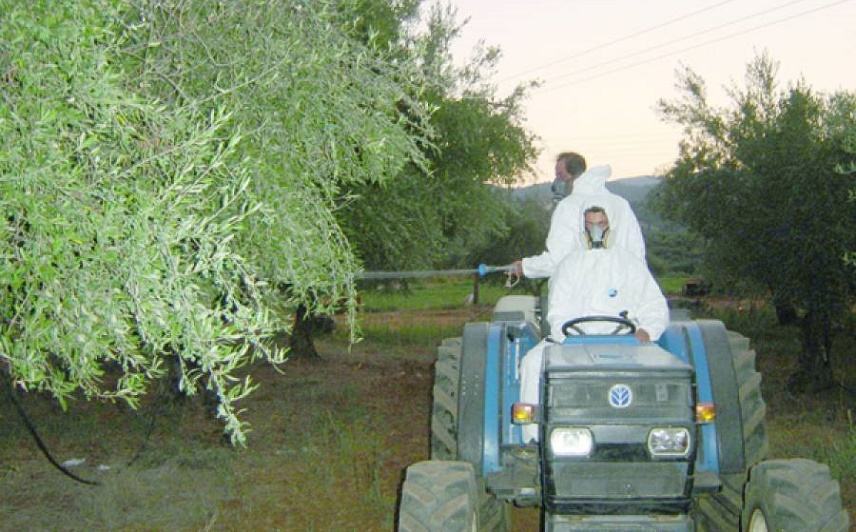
[(792, 495), (439, 496), (722, 510), (444, 409)]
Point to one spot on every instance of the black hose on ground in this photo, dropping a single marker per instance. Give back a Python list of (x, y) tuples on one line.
[(11, 392)]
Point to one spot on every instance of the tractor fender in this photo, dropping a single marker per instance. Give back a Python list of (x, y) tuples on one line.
[(471, 394), (480, 396), (704, 344), (726, 396)]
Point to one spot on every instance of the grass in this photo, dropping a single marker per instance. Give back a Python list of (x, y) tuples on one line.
[(454, 293), (329, 442), (434, 294), (425, 312), (408, 328), (672, 284)]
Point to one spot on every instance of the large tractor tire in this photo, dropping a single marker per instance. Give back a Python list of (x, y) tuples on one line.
[(792, 496), (444, 409), (722, 510), (439, 496)]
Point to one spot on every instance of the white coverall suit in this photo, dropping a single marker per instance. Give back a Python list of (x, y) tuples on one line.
[(566, 227), (601, 282)]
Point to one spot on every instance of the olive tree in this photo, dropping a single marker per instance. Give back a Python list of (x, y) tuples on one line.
[(166, 168), (440, 213), (318, 112), (118, 218), (760, 181)]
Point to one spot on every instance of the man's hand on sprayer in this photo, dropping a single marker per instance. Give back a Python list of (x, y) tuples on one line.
[(518, 268), (642, 335)]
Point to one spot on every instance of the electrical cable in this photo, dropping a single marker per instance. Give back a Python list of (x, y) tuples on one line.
[(673, 41), (615, 41), (662, 56)]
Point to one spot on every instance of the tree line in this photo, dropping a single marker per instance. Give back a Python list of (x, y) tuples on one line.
[(769, 184)]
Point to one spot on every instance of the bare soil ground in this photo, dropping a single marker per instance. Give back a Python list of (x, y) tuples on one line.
[(331, 439), (329, 443)]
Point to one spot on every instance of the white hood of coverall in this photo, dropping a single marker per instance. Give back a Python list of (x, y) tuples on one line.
[(593, 180), (567, 231)]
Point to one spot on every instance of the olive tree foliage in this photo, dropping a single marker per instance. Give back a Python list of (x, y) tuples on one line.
[(761, 181), (118, 218), (165, 166), (318, 111), (850, 169), (528, 220), (440, 213), (381, 24)]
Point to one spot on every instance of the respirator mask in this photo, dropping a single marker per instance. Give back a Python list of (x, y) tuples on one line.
[(560, 188), (597, 236)]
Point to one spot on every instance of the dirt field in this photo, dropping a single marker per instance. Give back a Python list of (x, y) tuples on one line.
[(331, 439)]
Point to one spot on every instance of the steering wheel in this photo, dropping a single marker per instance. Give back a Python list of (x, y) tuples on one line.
[(623, 323)]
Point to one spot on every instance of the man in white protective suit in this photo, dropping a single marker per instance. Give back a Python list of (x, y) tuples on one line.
[(601, 280), (565, 235)]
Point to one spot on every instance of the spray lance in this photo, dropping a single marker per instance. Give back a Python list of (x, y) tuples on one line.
[(482, 270)]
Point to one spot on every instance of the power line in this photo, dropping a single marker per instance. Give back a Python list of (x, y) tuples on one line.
[(615, 41), (673, 41), (624, 143), (662, 56)]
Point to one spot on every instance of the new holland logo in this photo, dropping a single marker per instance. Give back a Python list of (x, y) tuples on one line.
[(620, 396)]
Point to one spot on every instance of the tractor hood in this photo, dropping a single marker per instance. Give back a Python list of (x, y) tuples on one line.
[(611, 358)]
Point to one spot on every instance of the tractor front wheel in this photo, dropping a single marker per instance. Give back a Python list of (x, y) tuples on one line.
[(439, 496), (792, 495), (444, 409)]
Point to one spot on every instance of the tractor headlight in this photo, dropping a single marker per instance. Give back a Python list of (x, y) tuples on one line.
[(673, 441), (571, 441)]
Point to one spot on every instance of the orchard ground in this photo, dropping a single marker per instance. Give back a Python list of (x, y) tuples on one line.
[(330, 438)]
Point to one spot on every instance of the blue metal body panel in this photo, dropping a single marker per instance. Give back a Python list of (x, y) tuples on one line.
[(502, 388), (517, 345)]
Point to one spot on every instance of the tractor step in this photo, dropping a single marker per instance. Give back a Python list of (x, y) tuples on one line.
[(706, 482)]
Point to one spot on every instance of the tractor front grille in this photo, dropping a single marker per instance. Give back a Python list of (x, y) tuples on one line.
[(622, 480)]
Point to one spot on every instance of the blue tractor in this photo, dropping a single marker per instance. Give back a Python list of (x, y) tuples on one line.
[(666, 436)]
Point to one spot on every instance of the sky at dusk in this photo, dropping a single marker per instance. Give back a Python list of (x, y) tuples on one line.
[(604, 64)]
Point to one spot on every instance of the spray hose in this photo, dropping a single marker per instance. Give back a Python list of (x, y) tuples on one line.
[(482, 270)]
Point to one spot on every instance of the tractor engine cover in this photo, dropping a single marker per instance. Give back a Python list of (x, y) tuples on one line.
[(618, 429)]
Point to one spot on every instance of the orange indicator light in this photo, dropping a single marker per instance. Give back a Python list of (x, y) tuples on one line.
[(705, 412), (522, 413)]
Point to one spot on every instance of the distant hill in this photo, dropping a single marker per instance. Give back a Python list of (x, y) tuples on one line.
[(634, 189)]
